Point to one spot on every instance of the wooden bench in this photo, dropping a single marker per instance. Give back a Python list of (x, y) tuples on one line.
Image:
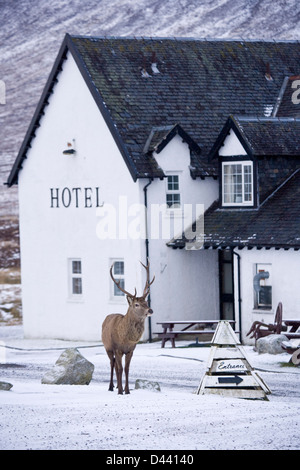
[(169, 334), (294, 330)]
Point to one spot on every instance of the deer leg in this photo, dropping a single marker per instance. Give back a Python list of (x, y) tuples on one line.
[(119, 371), (127, 364), (112, 364)]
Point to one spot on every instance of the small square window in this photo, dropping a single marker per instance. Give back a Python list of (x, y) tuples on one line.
[(118, 273), (118, 269), (76, 267), (173, 199), (77, 285), (75, 277), (173, 183)]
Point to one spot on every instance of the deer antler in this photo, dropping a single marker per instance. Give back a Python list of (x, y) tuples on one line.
[(118, 285), (148, 284)]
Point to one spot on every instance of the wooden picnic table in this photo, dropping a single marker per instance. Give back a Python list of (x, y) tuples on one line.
[(169, 333), (292, 332)]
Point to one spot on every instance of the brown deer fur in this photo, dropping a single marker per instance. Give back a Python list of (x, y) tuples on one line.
[(121, 333)]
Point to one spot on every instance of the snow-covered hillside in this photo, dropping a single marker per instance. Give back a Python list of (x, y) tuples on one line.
[(31, 33)]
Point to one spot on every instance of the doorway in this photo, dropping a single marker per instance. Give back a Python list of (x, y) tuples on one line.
[(226, 285)]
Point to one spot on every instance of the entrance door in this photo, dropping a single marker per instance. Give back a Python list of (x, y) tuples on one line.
[(226, 285)]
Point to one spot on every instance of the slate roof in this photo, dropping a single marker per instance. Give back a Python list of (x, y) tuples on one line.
[(142, 83), (263, 136), (288, 103), (271, 136), (276, 223), (160, 136)]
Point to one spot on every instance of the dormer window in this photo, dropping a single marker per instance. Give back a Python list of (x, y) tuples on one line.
[(237, 183)]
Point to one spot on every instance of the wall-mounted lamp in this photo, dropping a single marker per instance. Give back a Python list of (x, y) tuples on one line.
[(70, 150)]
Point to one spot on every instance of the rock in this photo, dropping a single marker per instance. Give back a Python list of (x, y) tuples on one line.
[(71, 368), (296, 358), (147, 385), (5, 386), (271, 344)]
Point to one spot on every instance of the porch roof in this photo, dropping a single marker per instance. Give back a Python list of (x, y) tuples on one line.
[(275, 224)]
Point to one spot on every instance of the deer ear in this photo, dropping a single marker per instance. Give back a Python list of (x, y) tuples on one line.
[(129, 299)]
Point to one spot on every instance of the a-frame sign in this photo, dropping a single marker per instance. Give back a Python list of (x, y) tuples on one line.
[(229, 372)]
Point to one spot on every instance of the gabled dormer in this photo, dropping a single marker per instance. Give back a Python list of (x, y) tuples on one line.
[(172, 149), (161, 136), (237, 168), (255, 156)]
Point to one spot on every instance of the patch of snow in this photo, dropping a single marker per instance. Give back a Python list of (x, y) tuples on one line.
[(145, 74), (268, 109), (154, 68), (36, 416)]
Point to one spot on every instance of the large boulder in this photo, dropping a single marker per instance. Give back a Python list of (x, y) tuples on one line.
[(5, 386), (271, 344), (71, 368)]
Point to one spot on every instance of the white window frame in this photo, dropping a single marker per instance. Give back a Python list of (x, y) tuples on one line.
[(243, 183), (115, 293), (173, 192), (258, 268), (75, 274)]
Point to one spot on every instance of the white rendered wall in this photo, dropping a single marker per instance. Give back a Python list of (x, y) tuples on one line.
[(284, 278), (284, 267), (49, 236), (186, 285), (232, 146)]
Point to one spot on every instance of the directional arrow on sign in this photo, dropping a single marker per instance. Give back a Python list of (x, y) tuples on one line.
[(235, 379), (229, 372)]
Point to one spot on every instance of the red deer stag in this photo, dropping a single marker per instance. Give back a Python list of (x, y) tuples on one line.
[(121, 333)]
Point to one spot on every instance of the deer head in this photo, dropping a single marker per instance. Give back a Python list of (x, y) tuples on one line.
[(137, 305)]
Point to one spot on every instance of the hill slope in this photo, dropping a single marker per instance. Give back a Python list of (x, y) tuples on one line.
[(30, 36), (32, 31)]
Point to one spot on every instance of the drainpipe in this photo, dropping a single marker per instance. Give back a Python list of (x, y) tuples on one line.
[(239, 292), (147, 250)]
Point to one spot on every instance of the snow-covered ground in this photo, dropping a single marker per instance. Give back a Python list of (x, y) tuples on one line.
[(36, 416)]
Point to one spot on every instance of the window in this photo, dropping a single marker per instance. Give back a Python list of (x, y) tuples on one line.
[(75, 270), (173, 194), (263, 286), (118, 273), (237, 183)]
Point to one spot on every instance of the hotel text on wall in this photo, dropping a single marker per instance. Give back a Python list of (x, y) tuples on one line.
[(74, 197)]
